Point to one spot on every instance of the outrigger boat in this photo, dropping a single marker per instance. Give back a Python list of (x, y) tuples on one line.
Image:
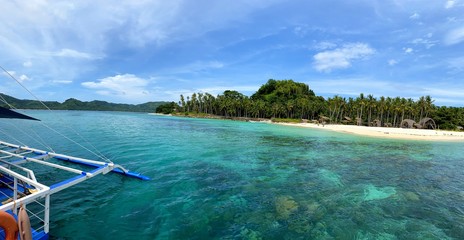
[(25, 202)]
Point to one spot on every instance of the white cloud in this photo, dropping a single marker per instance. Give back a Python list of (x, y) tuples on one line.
[(415, 16), (342, 57), (80, 32), (70, 53), (392, 62), (454, 36), (325, 45), (126, 86), (21, 78), (426, 42), (408, 50), (450, 4), (27, 64)]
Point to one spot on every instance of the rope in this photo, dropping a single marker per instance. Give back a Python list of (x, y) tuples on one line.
[(98, 154), (39, 139), (4, 100), (25, 88), (8, 135), (77, 143)]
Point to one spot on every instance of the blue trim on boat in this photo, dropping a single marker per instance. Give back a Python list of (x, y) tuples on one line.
[(116, 170), (131, 174), (67, 181)]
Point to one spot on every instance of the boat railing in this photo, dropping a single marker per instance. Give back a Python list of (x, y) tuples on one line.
[(26, 192)]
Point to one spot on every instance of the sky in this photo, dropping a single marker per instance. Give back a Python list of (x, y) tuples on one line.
[(138, 51)]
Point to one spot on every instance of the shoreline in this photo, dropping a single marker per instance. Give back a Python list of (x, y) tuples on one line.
[(386, 133), (377, 132)]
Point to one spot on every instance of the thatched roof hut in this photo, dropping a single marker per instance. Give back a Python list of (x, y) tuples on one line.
[(376, 123), (323, 119), (407, 123), (427, 123)]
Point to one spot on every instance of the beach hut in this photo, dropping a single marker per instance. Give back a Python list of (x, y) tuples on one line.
[(376, 123), (427, 123), (347, 120), (323, 119), (407, 123)]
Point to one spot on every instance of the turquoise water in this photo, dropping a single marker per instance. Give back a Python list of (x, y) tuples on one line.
[(214, 179)]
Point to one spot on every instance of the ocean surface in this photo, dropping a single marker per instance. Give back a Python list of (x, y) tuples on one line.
[(217, 179)]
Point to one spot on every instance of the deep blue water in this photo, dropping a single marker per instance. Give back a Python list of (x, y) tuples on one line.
[(216, 179)]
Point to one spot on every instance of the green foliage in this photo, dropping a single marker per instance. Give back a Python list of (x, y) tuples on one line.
[(281, 91), (286, 120), (167, 108), (74, 104), (285, 99), (449, 117)]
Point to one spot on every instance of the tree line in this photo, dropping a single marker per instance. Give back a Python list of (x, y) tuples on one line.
[(293, 100), (74, 104)]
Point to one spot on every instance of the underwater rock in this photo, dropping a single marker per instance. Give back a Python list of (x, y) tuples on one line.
[(368, 235), (285, 206), (312, 207), (300, 224), (372, 192), (331, 177), (411, 196), (358, 217), (248, 234), (320, 231)]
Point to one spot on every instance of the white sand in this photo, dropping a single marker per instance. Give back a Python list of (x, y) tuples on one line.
[(397, 133)]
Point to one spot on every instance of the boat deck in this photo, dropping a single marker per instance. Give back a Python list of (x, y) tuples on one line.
[(19, 185)]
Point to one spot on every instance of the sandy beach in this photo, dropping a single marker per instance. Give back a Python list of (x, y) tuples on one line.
[(382, 132)]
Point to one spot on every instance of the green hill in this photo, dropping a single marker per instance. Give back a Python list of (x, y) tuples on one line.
[(74, 104)]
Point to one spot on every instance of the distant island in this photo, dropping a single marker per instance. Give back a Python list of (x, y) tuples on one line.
[(74, 104), (290, 101)]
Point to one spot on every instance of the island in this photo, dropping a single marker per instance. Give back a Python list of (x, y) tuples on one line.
[(293, 103)]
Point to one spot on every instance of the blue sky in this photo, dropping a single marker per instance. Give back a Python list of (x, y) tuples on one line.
[(139, 51)]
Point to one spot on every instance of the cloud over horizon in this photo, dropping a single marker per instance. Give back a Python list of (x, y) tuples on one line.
[(62, 49), (127, 86), (340, 58)]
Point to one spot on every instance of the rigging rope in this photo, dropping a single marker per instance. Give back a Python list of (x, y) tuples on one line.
[(39, 139), (96, 153), (8, 135)]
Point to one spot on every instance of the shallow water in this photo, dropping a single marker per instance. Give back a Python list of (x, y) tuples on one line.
[(215, 179)]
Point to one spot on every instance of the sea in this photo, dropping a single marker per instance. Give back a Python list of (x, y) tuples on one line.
[(223, 179)]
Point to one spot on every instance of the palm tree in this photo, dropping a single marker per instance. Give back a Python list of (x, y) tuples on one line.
[(370, 104), (182, 102), (361, 102), (382, 107)]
